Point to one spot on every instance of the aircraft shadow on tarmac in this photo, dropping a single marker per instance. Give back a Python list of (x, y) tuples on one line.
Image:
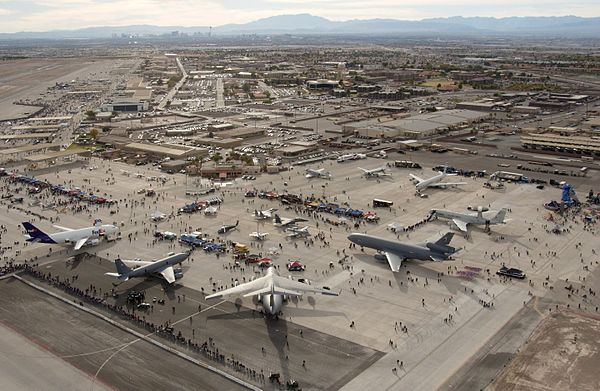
[(419, 271)]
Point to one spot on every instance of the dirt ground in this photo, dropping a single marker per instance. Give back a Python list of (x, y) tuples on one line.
[(562, 354)]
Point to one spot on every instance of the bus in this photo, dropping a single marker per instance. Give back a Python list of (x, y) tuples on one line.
[(377, 203)]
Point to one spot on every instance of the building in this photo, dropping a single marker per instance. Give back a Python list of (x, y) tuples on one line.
[(559, 143), (220, 127), (243, 133), (226, 143), (125, 106), (478, 105), (172, 151), (227, 170), (526, 110), (322, 84), (417, 126)]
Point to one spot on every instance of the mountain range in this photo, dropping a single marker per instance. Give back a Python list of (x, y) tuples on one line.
[(538, 27)]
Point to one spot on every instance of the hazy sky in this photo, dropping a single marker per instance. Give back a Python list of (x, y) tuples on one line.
[(41, 15)]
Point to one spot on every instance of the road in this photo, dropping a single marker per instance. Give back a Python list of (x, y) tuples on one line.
[(175, 88)]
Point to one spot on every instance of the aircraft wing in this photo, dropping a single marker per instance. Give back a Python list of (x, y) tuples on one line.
[(447, 184), (241, 289), (62, 228), (394, 260), (168, 274), (80, 243), (462, 225), (290, 287), (416, 178)]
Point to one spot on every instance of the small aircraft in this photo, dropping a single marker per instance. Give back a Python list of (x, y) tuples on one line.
[(127, 269), (264, 214), (226, 228), (320, 173), (286, 222), (396, 252), (259, 235), (462, 220), (77, 237), (211, 211), (125, 172), (375, 172), (295, 232), (139, 175), (435, 181), (271, 289), (157, 216)]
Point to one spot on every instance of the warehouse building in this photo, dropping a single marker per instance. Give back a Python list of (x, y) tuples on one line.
[(558, 143), (417, 126)]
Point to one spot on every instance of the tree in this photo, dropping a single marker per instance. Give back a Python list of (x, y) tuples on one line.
[(246, 88), (93, 133), (216, 157), (91, 114)]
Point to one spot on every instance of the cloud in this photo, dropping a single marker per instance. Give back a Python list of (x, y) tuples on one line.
[(40, 15)]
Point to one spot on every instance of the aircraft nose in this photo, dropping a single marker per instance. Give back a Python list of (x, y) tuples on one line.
[(355, 238)]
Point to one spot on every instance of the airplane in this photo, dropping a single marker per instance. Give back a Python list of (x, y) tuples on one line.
[(462, 220), (295, 232), (285, 222), (264, 214), (226, 228), (395, 252), (157, 216), (139, 175), (375, 172), (259, 235), (271, 290), (320, 173), (211, 210), (435, 181), (77, 237), (127, 269), (125, 172)]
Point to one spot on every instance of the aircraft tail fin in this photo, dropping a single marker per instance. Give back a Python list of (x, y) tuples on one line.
[(500, 216), (36, 234), (445, 240), (121, 267), (237, 223), (277, 219), (442, 244)]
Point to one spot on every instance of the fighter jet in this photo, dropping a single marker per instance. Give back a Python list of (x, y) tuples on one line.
[(264, 214), (462, 220), (162, 268), (259, 235), (226, 228), (271, 290), (435, 181), (157, 216), (295, 232), (320, 173), (395, 252), (375, 172), (77, 237), (286, 222)]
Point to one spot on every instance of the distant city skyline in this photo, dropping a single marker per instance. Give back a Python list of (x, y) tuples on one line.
[(44, 15)]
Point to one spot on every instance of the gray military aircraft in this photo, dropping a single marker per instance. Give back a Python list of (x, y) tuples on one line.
[(127, 269), (395, 252), (271, 290), (462, 220)]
